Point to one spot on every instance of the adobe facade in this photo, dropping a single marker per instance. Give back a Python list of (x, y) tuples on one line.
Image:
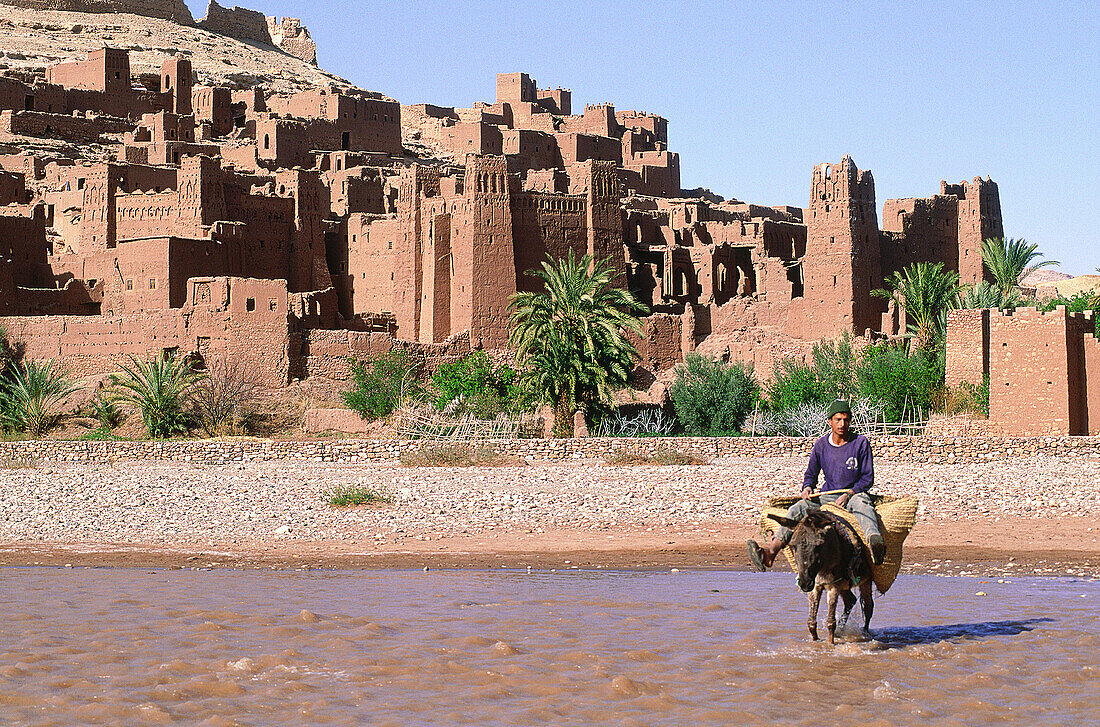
[(1043, 368), (228, 222)]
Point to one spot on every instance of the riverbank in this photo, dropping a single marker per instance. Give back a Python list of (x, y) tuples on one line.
[(1025, 515)]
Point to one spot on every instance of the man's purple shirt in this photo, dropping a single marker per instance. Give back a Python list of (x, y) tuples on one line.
[(848, 466)]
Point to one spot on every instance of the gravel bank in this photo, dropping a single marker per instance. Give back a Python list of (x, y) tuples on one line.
[(172, 503)]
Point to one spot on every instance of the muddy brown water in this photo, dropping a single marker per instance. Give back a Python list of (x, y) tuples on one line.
[(131, 646)]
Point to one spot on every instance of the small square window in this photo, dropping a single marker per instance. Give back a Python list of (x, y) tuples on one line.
[(152, 283), (129, 285), (250, 305), (273, 304)]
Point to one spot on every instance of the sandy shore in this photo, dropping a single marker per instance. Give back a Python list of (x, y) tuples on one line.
[(1023, 516)]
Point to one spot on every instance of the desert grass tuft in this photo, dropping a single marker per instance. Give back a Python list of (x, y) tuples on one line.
[(459, 455), (356, 495), (660, 457)]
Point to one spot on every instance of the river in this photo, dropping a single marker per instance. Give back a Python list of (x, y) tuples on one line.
[(229, 647)]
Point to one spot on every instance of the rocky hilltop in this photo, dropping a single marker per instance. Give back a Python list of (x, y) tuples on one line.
[(34, 36)]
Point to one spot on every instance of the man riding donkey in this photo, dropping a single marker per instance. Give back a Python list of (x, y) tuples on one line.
[(845, 458)]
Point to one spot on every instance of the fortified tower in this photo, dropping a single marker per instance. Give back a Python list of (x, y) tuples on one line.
[(484, 259), (599, 181), (842, 264), (979, 219), (176, 78)]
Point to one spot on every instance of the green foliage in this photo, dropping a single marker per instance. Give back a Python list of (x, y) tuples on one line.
[(905, 381), (967, 398), (987, 295), (712, 398), (162, 390), (830, 376), (1010, 261), (105, 410), (383, 383), (32, 392), (925, 291), (485, 392), (354, 496), (570, 338)]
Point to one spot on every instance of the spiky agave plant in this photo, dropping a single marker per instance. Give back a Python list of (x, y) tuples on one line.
[(33, 390), (162, 390), (571, 337)]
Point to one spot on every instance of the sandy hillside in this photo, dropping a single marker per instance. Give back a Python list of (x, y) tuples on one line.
[(30, 40)]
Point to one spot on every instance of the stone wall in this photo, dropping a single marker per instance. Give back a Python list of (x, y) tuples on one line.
[(967, 347), (167, 9), (932, 450), (239, 23)]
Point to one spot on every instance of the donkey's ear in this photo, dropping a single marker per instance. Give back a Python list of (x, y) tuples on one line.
[(784, 521)]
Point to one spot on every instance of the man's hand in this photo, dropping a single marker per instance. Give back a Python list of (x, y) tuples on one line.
[(807, 493), (842, 501)]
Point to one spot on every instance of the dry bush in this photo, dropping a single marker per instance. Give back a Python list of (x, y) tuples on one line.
[(459, 455), (226, 398), (661, 457)]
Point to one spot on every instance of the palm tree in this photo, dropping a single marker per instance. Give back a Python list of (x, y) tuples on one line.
[(571, 338), (924, 291), (987, 295), (32, 392), (162, 390), (1010, 261)]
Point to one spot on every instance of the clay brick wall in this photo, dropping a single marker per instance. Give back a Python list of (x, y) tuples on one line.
[(546, 224), (217, 321), (979, 218), (215, 106), (61, 126), (1091, 347), (581, 147), (1037, 372), (165, 9), (968, 348)]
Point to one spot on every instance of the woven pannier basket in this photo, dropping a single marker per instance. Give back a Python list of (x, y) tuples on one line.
[(896, 515)]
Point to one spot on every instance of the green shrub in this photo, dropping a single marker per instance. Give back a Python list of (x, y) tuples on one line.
[(483, 392), (906, 382), (32, 392), (162, 390), (830, 376), (968, 398), (105, 410), (383, 383), (712, 398), (355, 495), (793, 384)]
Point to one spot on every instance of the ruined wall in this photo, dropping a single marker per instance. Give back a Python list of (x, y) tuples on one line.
[(289, 35), (167, 9), (239, 23), (967, 347), (78, 129)]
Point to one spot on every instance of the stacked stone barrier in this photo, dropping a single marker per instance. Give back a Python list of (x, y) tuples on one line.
[(932, 450)]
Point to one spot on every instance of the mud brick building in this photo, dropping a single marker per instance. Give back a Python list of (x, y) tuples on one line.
[(272, 227)]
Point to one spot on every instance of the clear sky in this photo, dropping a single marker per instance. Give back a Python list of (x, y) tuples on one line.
[(757, 93)]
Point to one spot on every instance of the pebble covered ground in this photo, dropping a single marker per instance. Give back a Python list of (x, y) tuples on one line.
[(165, 502)]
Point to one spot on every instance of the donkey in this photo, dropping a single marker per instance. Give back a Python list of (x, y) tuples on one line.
[(827, 560)]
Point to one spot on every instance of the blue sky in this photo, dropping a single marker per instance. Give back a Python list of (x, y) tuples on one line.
[(757, 93)]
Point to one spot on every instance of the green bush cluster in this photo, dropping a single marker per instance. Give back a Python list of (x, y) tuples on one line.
[(383, 383), (480, 390), (713, 398)]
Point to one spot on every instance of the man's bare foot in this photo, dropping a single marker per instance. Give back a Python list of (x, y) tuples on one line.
[(771, 550)]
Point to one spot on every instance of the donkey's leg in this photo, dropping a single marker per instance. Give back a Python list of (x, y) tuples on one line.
[(815, 601), (867, 603), (830, 619), (849, 603)]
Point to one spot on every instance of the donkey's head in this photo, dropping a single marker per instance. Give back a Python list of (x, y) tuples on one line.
[(816, 546)]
